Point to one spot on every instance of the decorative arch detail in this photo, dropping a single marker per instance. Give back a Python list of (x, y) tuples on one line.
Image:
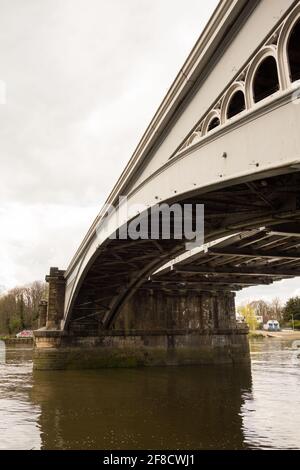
[(283, 60), (275, 46), (213, 115), (263, 54), (233, 89)]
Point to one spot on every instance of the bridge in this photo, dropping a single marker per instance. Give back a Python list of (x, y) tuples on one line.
[(225, 137)]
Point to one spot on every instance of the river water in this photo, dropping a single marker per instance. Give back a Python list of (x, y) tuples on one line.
[(240, 407)]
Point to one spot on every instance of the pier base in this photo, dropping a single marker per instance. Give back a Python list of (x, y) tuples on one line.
[(55, 351), (155, 328)]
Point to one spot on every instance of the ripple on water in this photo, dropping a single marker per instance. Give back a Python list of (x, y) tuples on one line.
[(271, 417), (19, 427)]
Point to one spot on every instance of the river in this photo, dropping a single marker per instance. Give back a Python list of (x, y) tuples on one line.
[(240, 407)]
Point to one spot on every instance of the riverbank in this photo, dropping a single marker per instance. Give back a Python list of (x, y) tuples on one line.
[(283, 334), (17, 342)]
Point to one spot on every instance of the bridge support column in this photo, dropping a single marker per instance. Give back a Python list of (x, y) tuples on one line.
[(43, 307), (155, 328), (56, 298)]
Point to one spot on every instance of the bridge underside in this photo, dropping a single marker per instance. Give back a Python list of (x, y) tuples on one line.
[(129, 312), (124, 266)]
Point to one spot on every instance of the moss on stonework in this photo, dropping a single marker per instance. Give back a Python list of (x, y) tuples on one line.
[(97, 358)]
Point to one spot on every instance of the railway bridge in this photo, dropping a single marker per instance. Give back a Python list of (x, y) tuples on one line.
[(225, 138)]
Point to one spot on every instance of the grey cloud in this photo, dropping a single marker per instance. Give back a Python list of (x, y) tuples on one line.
[(67, 62)]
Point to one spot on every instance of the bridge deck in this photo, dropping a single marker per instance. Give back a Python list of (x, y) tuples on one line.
[(254, 257)]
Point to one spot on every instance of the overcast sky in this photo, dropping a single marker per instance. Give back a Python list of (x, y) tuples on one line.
[(79, 82)]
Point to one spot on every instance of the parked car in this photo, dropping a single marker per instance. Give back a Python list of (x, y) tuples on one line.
[(25, 334)]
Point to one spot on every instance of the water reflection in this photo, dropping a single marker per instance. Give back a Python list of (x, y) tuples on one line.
[(19, 427), (185, 408), (271, 414), (190, 407)]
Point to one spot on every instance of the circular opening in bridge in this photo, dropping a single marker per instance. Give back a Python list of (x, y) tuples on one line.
[(236, 104), (293, 50), (215, 122), (266, 81)]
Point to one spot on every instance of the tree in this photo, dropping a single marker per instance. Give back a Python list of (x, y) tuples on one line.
[(19, 307), (276, 309), (14, 325), (261, 309), (268, 310), (292, 309), (247, 311)]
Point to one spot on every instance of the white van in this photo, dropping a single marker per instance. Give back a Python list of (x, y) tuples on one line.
[(272, 325)]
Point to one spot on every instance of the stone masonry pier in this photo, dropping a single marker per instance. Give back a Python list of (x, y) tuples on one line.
[(155, 328)]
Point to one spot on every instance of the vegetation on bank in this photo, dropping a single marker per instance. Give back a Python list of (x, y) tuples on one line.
[(256, 334), (248, 313), (19, 308), (291, 314), (294, 324)]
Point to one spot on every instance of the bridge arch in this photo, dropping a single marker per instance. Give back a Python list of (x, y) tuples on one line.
[(210, 163), (117, 269), (234, 102), (212, 121), (263, 79), (293, 51), (290, 26)]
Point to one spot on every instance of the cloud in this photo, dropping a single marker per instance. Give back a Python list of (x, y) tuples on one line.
[(35, 237), (82, 80), (282, 289)]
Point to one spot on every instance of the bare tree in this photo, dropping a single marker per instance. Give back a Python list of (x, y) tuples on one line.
[(19, 307)]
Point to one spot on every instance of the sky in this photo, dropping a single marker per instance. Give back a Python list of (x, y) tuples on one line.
[(80, 81)]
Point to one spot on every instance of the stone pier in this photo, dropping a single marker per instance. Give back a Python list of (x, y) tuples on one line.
[(155, 328), (43, 307), (56, 298)]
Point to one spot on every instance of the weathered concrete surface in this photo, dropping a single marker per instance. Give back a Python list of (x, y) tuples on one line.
[(23, 343), (178, 310), (133, 350), (155, 310), (154, 329), (43, 309), (56, 298)]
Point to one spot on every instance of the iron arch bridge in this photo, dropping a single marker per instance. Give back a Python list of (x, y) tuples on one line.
[(227, 137)]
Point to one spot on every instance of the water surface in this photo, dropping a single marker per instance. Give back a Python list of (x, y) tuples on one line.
[(159, 408)]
